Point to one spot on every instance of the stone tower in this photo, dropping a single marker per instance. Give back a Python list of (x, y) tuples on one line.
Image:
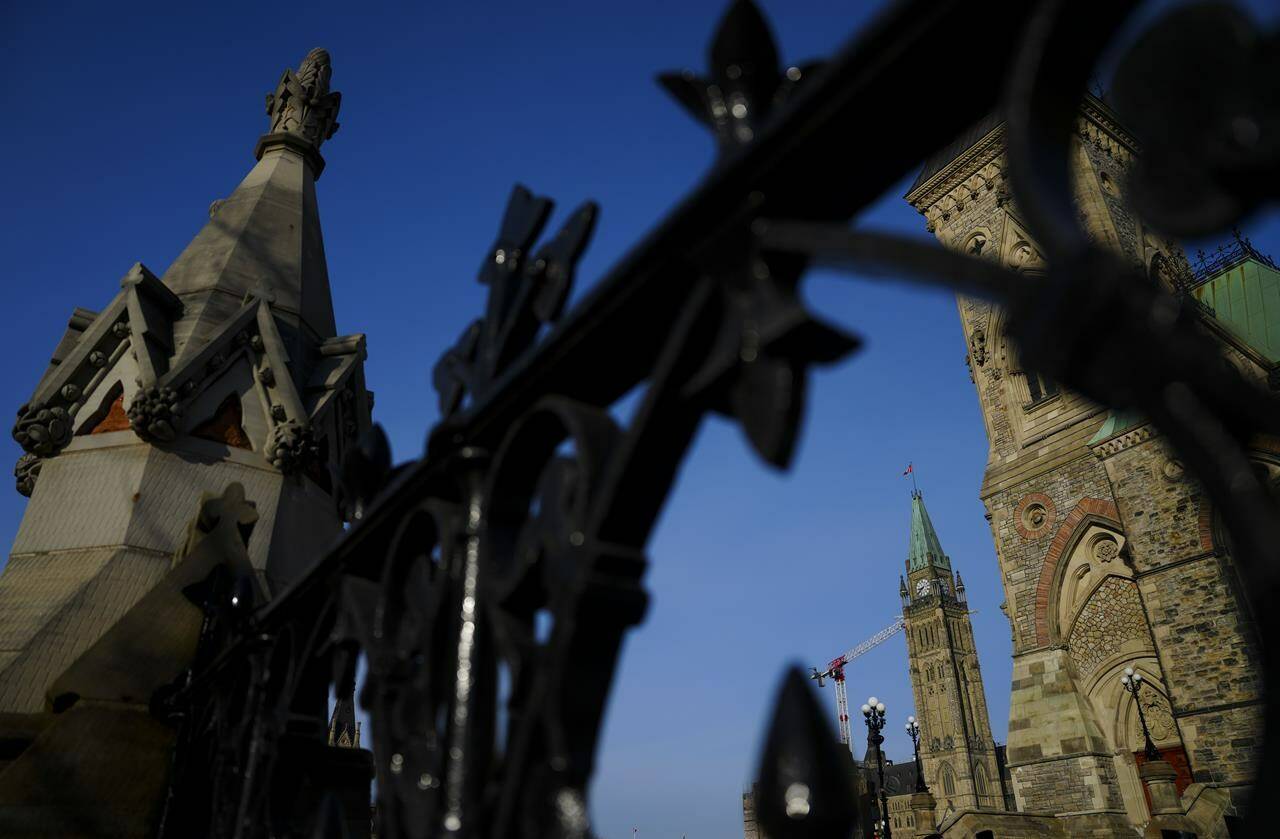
[(956, 747), (1101, 536), (226, 369)]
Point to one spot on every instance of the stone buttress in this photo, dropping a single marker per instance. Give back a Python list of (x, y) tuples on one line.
[(1109, 553)]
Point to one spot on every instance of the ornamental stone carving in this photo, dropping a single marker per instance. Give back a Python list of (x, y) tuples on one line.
[(1024, 257), (1159, 718), (42, 429), (25, 471), (1105, 549), (978, 346), (1034, 515), (154, 414), (302, 104), (290, 446)]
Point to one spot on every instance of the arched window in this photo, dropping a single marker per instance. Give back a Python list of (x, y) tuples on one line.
[(1040, 387), (948, 780), (979, 779)]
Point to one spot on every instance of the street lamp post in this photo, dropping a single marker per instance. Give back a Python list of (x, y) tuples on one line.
[(873, 712), (1132, 683), (913, 731)]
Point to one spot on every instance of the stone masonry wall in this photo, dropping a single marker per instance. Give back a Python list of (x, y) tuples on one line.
[(1024, 544), (1191, 592), (1046, 481), (1059, 759)]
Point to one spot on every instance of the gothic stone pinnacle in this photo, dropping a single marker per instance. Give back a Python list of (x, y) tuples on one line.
[(302, 111)]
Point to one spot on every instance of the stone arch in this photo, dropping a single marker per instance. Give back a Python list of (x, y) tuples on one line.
[(119, 384), (1016, 384), (946, 779), (978, 242), (1205, 522), (1263, 454), (1094, 556), (1117, 715), (1074, 524), (981, 787), (236, 382), (108, 415), (1110, 626)]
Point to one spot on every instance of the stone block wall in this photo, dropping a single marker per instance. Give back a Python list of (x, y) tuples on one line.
[(101, 529), (1032, 522), (1059, 760), (1191, 592)]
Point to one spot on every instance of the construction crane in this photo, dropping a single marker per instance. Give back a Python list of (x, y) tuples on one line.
[(835, 672)]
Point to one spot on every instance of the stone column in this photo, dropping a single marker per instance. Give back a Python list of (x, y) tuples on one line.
[(923, 807), (1166, 805), (1161, 781)]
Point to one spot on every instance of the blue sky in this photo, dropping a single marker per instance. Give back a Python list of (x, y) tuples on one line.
[(127, 120)]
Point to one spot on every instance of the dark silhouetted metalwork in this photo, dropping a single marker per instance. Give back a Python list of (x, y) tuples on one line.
[(913, 731), (1132, 684), (489, 583), (873, 715)]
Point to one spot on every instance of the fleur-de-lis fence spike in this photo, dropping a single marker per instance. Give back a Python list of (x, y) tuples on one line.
[(525, 293), (744, 84), (805, 787)]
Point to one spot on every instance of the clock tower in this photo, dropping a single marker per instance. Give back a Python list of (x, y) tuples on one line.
[(956, 747)]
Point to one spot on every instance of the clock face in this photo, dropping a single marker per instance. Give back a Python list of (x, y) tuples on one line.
[(922, 588)]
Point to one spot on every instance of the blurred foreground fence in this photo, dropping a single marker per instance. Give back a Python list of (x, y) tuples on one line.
[(490, 582)]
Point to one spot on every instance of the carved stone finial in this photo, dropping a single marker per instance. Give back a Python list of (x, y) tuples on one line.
[(26, 471), (290, 446), (42, 429), (154, 414), (302, 107)]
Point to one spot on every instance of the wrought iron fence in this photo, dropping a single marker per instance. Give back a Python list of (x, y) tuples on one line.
[(533, 505)]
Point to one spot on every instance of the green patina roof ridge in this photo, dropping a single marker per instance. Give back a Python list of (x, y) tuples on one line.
[(924, 549)]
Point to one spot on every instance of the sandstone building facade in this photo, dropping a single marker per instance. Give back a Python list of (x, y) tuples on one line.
[(1110, 554)]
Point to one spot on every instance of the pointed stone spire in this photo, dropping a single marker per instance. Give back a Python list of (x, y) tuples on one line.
[(226, 370), (265, 238), (924, 549)]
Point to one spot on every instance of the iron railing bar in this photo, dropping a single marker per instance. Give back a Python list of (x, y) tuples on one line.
[(835, 150)]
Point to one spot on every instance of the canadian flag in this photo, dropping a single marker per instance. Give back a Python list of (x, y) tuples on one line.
[(910, 468)]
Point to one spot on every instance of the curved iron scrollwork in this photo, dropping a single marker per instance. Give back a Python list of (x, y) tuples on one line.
[(489, 584)]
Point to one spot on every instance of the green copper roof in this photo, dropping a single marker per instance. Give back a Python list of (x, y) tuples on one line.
[(1117, 421), (924, 549), (1246, 299)]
